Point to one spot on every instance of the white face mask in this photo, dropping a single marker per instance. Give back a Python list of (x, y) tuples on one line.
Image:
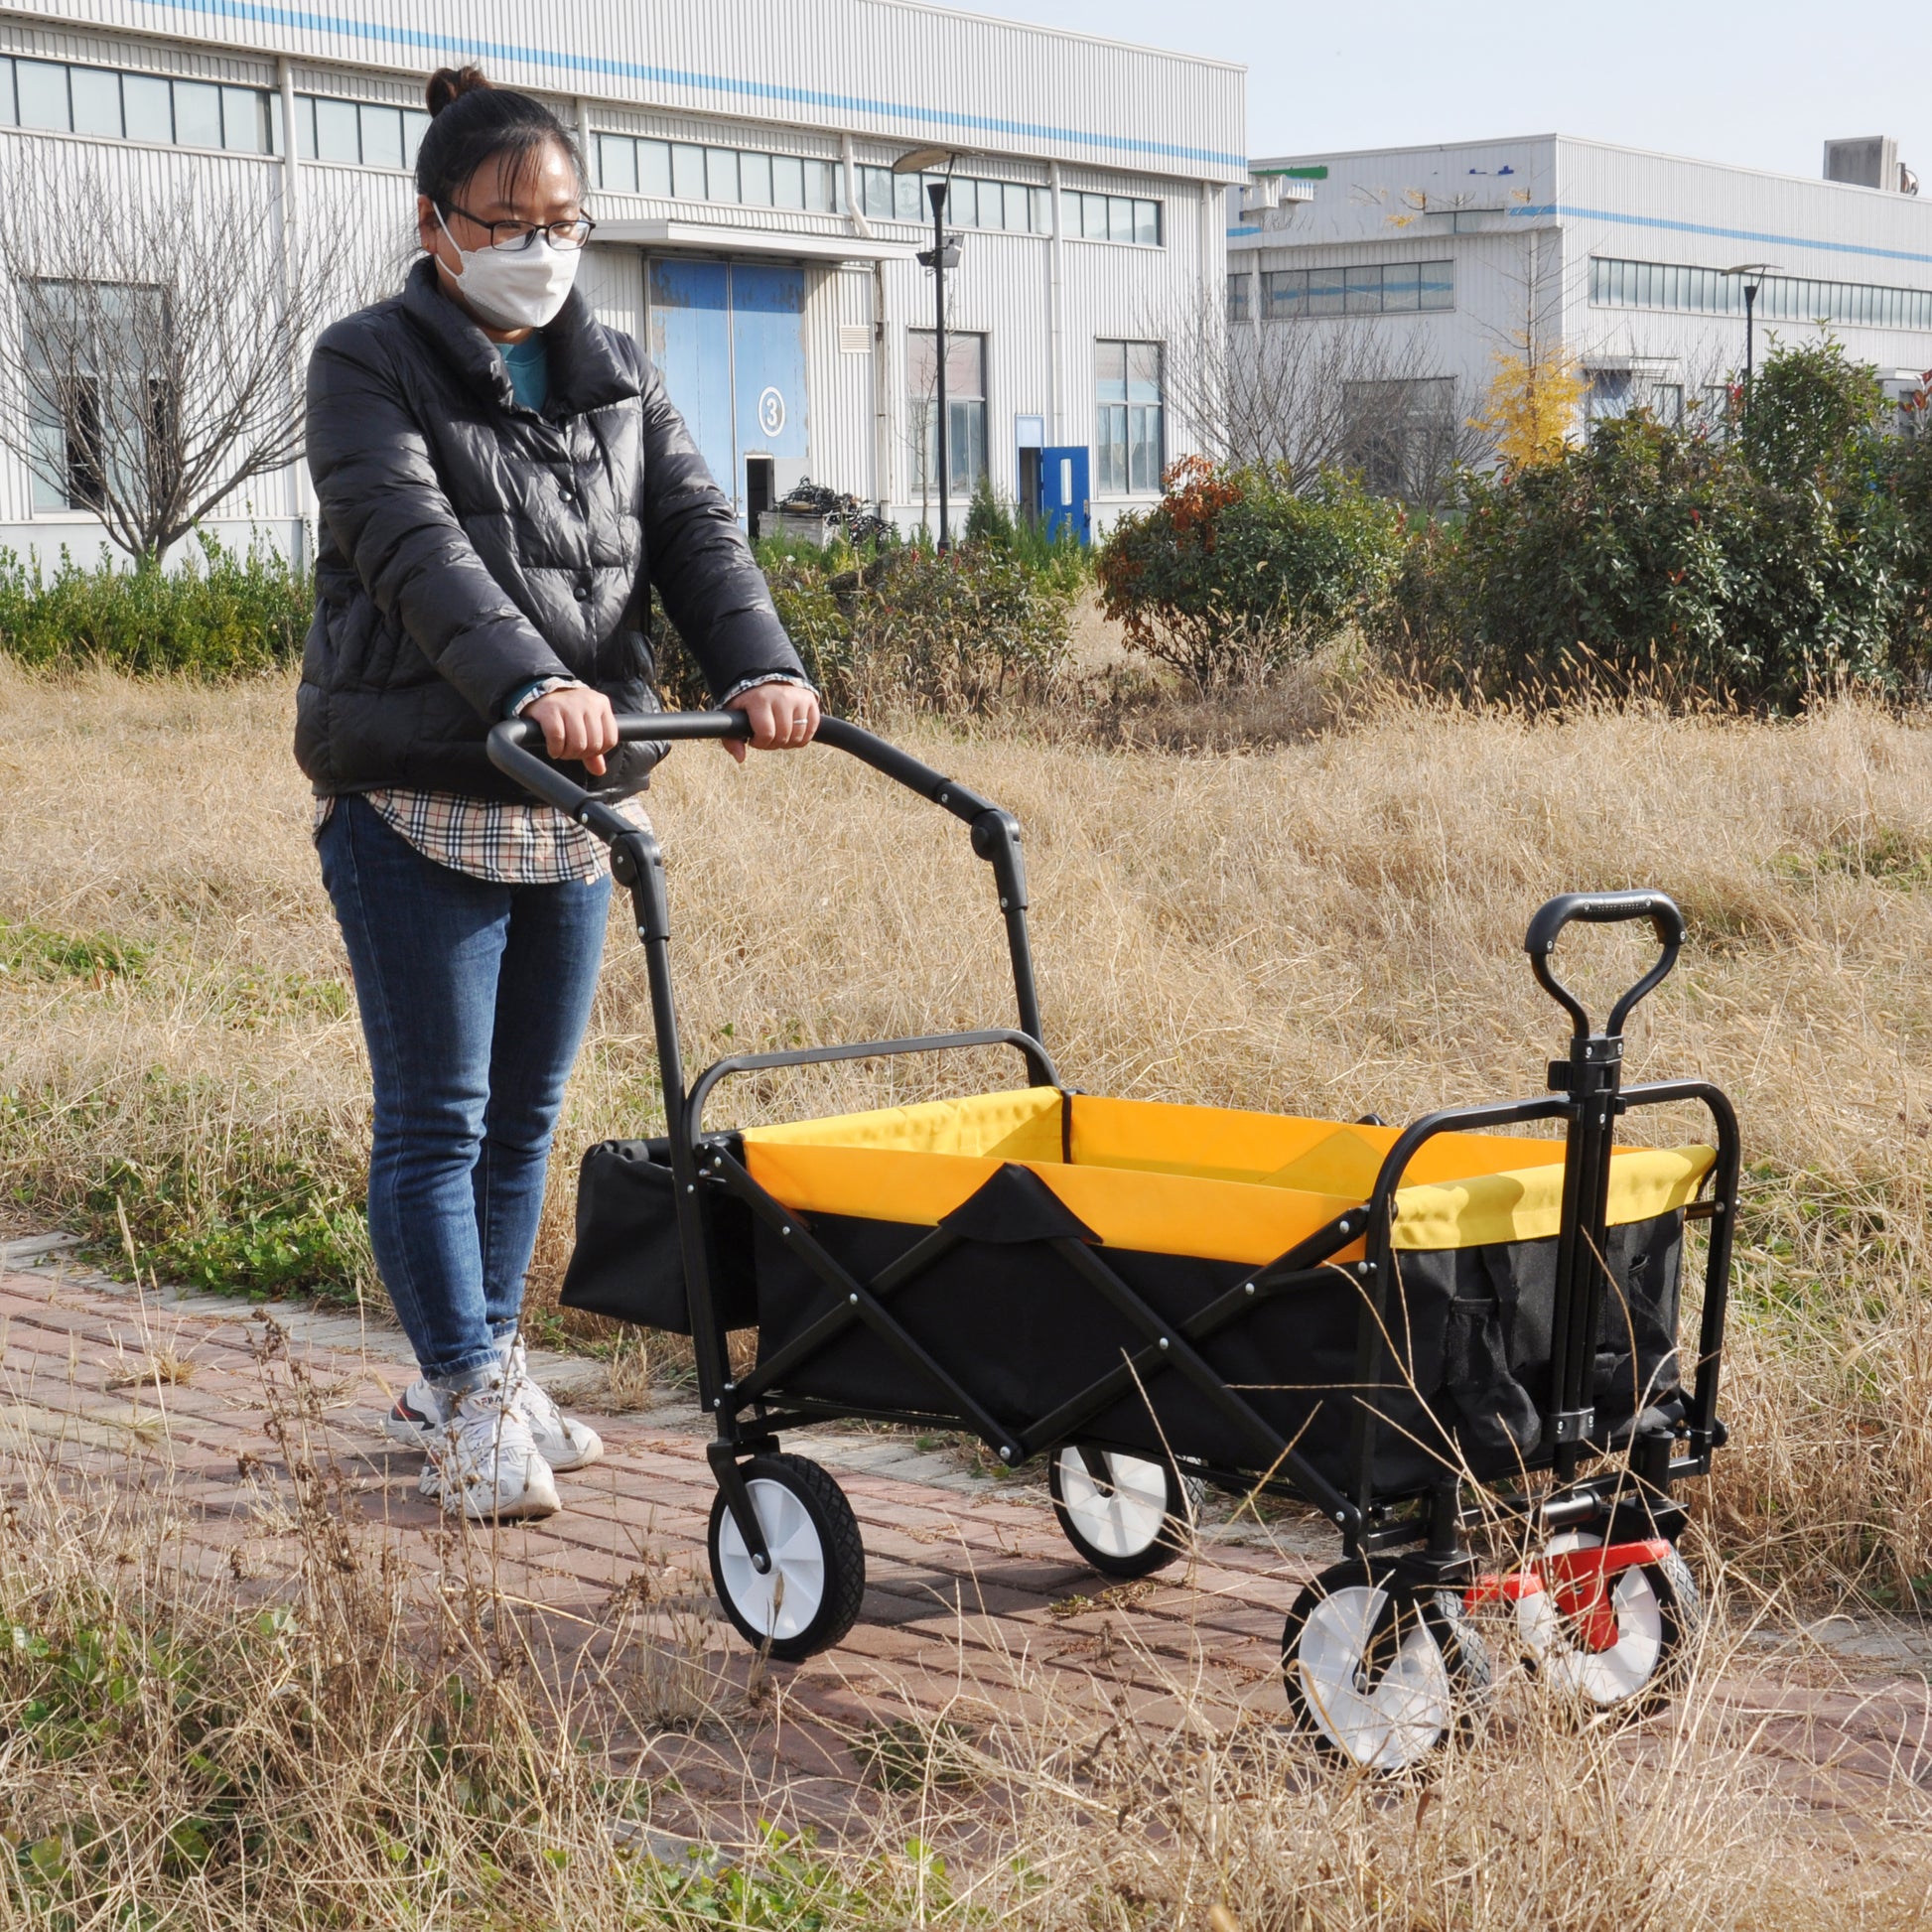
[(520, 288)]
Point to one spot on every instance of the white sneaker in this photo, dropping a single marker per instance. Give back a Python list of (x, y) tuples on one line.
[(565, 1443), (483, 1463)]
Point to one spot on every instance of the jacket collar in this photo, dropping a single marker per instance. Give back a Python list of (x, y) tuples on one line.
[(584, 371)]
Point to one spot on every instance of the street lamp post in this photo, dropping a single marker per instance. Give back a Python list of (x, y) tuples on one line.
[(937, 194), (942, 255), (1753, 274)]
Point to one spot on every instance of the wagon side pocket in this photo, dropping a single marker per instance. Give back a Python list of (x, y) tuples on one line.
[(1497, 1422), (1637, 1336), (627, 1263)]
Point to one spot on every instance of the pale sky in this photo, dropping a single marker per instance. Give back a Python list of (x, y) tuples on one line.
[(1763, 85)]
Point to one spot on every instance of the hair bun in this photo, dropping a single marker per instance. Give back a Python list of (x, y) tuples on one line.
[(452, 84)]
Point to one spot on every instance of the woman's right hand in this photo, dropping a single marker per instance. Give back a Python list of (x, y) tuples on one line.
[(577, 723)]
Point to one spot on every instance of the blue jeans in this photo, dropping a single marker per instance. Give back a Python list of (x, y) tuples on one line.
[(474, 1000)]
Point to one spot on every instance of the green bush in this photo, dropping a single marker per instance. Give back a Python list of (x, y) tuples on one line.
[(907, 626), (1233, 574), (232, 613), (1758, 570)]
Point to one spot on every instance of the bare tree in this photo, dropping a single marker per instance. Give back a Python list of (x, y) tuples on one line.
[(153, 367), (1319, 394)]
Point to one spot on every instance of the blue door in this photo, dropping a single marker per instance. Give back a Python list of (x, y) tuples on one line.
[(690, 341), (769, 360), (1064, 491), (730, 340)]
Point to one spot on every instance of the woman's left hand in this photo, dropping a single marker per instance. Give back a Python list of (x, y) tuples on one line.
[(783, 717)]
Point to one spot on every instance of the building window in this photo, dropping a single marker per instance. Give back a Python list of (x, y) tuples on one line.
[(970, 201), (965, 411), (1128, 432), (1111, 217), (358, 133), (1238, 286), (1401, 435), (1611, 393), (107, 104), (1667, 402), (1380, 289), (1780, 298), (96, 399), (1714, 405), (682, 171)]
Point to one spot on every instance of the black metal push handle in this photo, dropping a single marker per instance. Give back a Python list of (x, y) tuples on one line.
[(1604, 908), (513, 747), (995, 832)]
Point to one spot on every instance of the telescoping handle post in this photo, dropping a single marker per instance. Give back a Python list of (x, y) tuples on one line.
[(1592, 1078)]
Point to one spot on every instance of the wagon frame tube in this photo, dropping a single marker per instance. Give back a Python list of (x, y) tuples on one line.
[(748, 1413)]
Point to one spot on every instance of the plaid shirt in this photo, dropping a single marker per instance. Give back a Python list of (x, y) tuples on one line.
[(508, 844)]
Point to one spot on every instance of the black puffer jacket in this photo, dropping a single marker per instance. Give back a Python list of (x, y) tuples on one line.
[(470, 546)]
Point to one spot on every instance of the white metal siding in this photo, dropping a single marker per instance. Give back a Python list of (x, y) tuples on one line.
[(906, 72), (1027, 104)]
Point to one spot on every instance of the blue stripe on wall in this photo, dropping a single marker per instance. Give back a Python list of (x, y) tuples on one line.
[(418, 40), (1727, 235)]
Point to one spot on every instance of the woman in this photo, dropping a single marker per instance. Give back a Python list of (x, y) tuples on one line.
[(502, 481)]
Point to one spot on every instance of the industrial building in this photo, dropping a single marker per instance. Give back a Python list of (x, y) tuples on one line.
[(1433, 261), (751, 231)]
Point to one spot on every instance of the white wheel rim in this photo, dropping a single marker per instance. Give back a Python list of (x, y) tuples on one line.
[(781, 1602), (1604, 1677), (1129, 1520), (1408, 1712)]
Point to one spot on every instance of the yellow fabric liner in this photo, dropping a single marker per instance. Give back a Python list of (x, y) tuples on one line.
[(1211, 1181)]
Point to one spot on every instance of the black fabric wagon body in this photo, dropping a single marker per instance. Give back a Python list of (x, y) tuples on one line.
[(1185, 1204)]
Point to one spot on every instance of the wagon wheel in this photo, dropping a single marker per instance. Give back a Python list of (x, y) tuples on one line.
[(1632, 1656), (1379, 1671), (809, 1598), (1127, 1516)]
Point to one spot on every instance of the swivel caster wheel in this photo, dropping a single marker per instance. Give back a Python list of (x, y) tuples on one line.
[(809, 1598), (1380, 1672)]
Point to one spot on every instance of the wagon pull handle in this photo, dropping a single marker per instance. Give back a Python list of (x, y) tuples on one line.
[(1604, 908)]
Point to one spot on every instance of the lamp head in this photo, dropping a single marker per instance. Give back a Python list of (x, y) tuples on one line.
[(919, 161)]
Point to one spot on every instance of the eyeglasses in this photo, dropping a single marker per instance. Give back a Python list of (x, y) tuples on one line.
[(512, 235)]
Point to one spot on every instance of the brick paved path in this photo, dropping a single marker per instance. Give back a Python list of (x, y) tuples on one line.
[(974, 1601)]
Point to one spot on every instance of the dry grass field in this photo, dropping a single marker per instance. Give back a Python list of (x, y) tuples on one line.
[(1332, 928)]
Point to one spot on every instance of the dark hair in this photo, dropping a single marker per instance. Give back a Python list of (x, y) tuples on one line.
[(472, 121)]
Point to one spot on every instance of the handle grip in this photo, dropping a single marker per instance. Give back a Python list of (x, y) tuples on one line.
[(1604, 908)]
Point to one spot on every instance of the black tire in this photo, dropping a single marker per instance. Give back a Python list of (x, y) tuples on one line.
[(816, 1540), (1382, 1674), (1126, 1515), (1660, 1620)]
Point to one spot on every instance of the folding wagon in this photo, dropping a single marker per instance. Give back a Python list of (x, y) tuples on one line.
[(1438, 1336)]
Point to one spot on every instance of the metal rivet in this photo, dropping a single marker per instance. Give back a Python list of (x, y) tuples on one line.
[(1249, 1289), (1003, 905), (1006, 1452), (689, 1188), (853, 1299), (1341, 1228), (1339, 1517), (784, 1230), (1164, 1341)]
